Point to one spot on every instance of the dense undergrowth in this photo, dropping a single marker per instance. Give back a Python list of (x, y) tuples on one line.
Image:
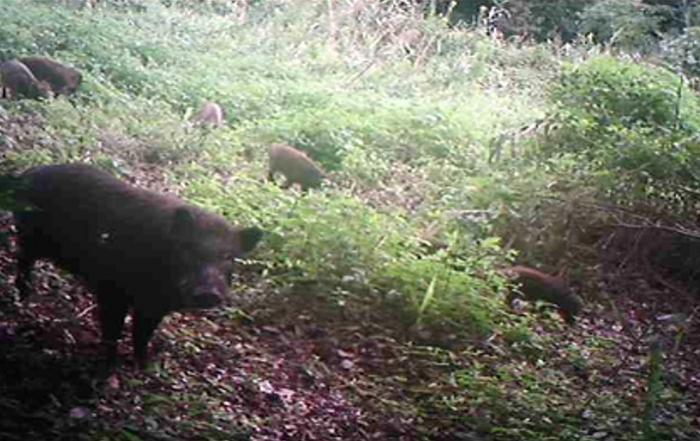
[(421, 125)]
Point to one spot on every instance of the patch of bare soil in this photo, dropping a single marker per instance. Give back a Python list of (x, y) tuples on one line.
[(641, 312)]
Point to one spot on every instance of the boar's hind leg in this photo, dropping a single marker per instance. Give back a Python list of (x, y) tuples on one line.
[(112, 306), (145, 325)]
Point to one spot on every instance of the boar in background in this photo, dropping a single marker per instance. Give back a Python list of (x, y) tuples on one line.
[(18, 82), (296, 167), (211, 114), (63, 80), (536, 285)]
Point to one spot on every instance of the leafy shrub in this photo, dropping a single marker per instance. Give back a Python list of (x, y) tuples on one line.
[(633, 124), (626, 93), (683, 52), (622, 23), (341, 242)]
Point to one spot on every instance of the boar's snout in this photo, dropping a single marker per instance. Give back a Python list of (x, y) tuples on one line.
[(207, 289), (205, 298)]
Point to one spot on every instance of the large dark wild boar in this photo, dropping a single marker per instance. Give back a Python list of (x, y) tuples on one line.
[(19, 82), (63, 80), (134, 247), (211, 114), (536, 285), (296, 167)]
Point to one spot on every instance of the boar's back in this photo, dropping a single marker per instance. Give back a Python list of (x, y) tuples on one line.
[(63, 79)]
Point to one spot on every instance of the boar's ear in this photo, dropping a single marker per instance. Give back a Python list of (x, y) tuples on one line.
[(183, 222), (248, 238)]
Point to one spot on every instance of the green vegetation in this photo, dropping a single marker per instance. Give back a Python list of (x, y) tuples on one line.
[(415, 132), (634, 124)]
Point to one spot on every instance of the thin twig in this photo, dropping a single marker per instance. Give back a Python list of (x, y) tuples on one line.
[(686, 233), (361, 73), (86, 311)]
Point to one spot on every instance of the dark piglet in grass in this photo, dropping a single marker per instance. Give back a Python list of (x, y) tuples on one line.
[(63, 80), (533, 284), (19, 82), (134, 248), (536, 285)]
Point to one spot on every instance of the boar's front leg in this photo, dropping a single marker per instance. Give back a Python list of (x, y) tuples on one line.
[(23, 282), (112, 306), (32, 246), (145, 324)]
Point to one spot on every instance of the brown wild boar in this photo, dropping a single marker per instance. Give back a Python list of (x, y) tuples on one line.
[(211, 114), (19, 82), (536, 285), (296, 167), (63, 80), (134, 248)]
